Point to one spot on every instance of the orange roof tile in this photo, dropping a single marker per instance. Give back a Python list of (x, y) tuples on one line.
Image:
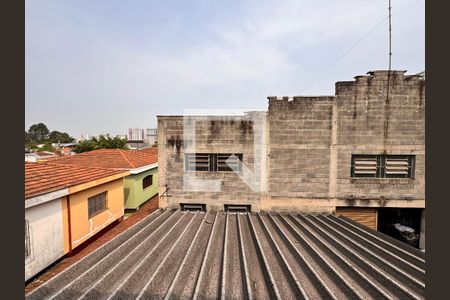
[(45, 177), (112, 158)]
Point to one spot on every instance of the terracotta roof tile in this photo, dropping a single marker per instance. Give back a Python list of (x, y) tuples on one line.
[(45, 177), (112, 158)]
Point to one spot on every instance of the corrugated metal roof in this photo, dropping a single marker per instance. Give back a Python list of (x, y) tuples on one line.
[(175, 254)]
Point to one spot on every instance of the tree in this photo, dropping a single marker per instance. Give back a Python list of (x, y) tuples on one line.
[(60, 137), (102, 142), (48, 147), (84, 146), (38, 133), (27, 138)]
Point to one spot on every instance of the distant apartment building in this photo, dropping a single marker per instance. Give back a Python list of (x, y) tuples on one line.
[(359, 153), (141, 138), (136, 134), (151, 136)]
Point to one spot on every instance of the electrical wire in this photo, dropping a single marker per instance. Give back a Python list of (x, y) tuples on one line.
[(345, 53)]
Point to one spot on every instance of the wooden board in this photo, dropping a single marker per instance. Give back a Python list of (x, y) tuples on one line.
[(367, 216)]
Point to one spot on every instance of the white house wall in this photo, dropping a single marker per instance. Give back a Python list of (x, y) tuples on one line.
[(46, 236)]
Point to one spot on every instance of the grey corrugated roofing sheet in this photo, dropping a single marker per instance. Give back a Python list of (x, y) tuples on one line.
[(173, 254)]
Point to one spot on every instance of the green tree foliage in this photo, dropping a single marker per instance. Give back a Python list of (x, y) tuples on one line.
[(27, 138), (38, 133), (84, 146), (60, 137), (48, 147), (102, 142)]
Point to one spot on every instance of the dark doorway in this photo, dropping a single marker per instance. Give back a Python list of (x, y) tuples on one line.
[(398, 222)]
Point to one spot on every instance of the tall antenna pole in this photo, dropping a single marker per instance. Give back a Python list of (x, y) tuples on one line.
[(390, 37), (386, 121)]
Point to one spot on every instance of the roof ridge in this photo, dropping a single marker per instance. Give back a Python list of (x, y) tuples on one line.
[(132, 165), (80, 166)]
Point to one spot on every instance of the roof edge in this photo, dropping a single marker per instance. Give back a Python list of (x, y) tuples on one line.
[(45, 197)]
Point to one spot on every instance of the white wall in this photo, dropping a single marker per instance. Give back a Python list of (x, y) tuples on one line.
[(46, 236)]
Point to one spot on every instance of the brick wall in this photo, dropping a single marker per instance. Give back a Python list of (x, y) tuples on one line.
[(299, 139), (213, 135), (369, 123), (308, 146)]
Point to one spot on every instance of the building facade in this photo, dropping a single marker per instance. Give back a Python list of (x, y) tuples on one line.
[(136, 134), (64, 207), (151, 136), (360, 153), (142, 182)]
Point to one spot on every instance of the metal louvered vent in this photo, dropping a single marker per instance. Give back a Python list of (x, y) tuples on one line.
[(193, 207), (197, 162), (365, 166), (213, 162), (398, 166), (383, 166), (234, 162), (237, 208)]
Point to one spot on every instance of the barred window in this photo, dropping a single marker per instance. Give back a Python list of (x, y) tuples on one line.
[(27, 239), (228, 162), (197, 162), (147, 181), (383, 166), (97, 204), (213, 162)]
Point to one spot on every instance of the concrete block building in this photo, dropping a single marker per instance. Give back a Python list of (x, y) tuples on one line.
[(359, 153)]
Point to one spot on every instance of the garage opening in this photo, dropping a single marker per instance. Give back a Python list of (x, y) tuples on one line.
[(401, 223)]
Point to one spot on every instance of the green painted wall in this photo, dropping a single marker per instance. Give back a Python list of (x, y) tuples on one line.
[(134, 194)]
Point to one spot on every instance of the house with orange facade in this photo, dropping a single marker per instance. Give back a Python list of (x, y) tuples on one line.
[(65, 205), (142, 183)]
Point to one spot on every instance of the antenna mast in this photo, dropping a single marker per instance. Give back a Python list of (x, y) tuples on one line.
[(390, 37)]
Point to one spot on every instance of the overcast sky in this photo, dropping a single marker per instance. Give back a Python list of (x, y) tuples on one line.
[(104, 66)]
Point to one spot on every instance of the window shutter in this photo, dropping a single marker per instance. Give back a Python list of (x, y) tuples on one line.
[(397, 166), (234, 162), (197, 162), (365, 166)]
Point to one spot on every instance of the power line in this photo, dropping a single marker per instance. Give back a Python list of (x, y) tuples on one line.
[(345, 53)]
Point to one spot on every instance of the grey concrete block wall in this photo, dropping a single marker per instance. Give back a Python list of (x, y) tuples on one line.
[(309, 144), (299, 139), (212, 135), (371, 122)]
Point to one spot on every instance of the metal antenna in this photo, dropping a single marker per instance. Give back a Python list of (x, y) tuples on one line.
[(390, 37), (386, 121)]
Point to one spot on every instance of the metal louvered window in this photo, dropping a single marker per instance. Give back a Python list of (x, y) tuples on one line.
[(213, 162), (366, 166), (197, 162), (397, 166), (97, 204), (383, 166), (234, 162), (27, 239)]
